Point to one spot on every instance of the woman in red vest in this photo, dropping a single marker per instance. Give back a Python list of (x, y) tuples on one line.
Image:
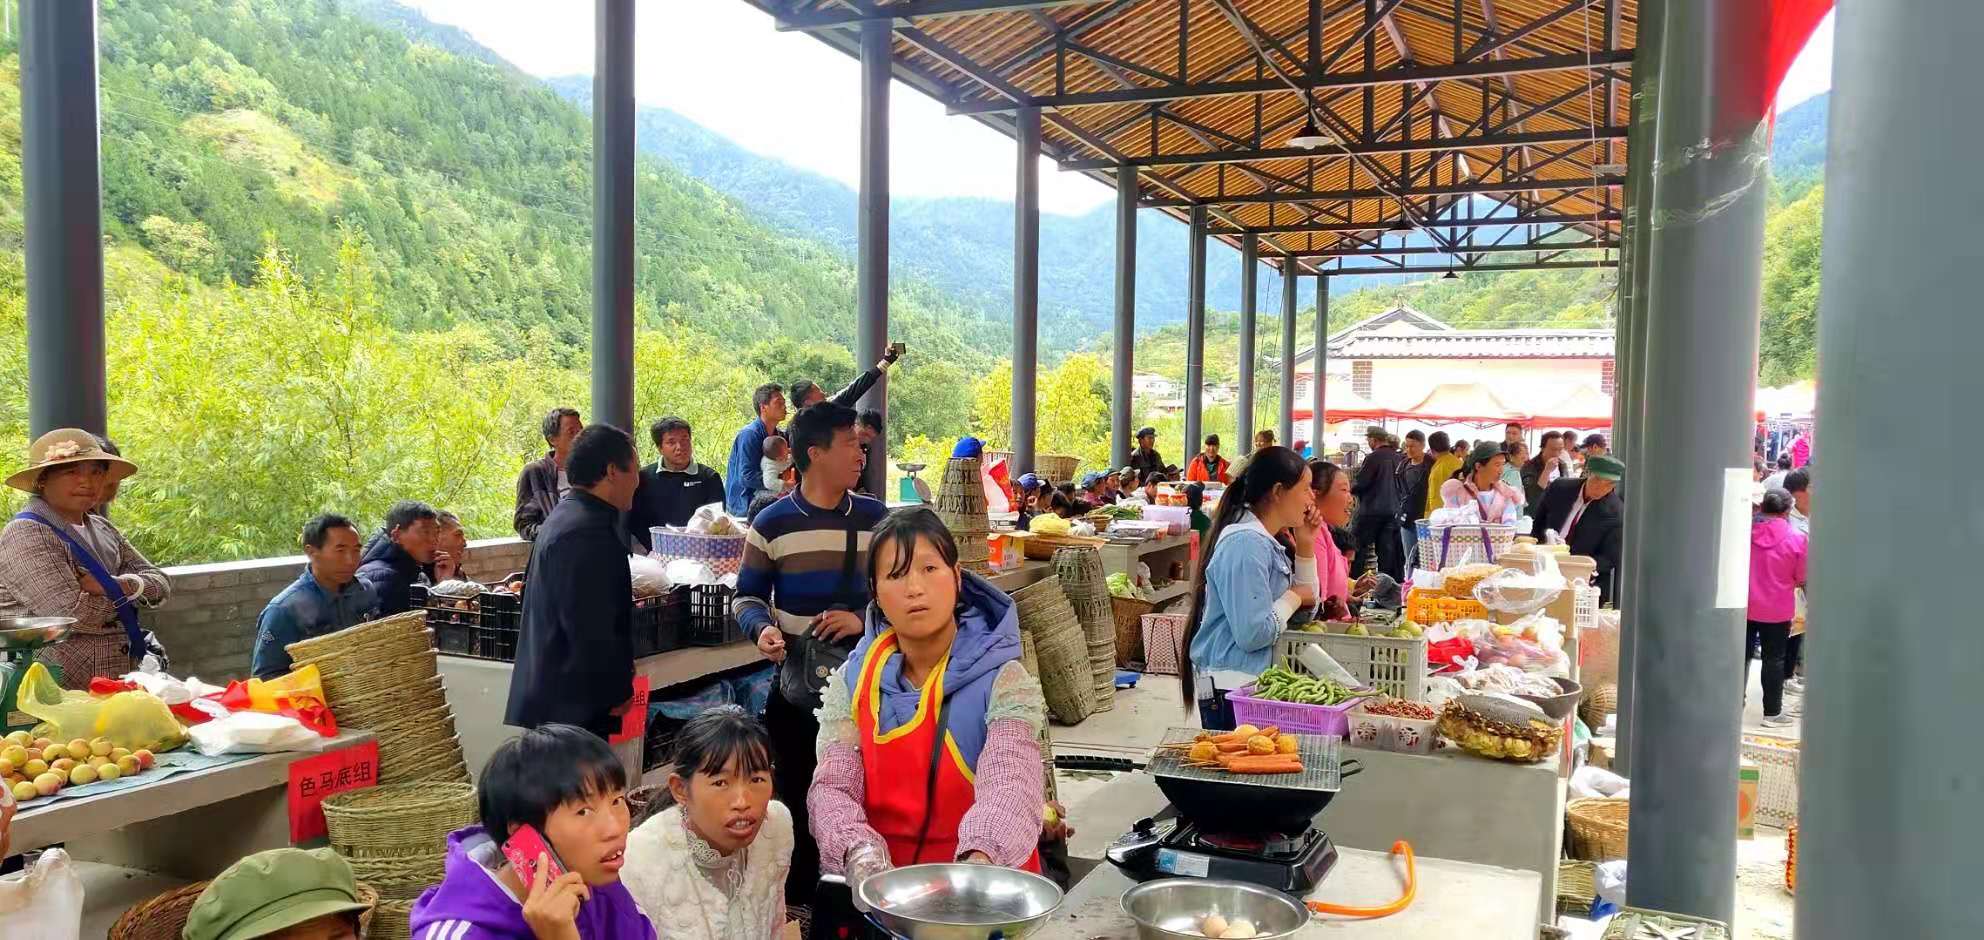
[(929, 735)]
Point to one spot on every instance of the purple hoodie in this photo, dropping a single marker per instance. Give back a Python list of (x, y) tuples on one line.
[(1777, 569), (469, 903)]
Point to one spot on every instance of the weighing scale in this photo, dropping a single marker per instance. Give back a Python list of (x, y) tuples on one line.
[(20, 638), (912, 488)]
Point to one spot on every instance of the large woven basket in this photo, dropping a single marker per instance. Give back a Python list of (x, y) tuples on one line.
[(400, 877), (398, 819), (1066, 679), (1598, 702), (163, 917), (387, 675), (1577, 886), (387, 648), (359, 640), (391, 920), (1598, 828), (1057, 468), (421, 760)]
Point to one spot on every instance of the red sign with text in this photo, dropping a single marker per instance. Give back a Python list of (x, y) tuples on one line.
[(633, 714), (314, 778)]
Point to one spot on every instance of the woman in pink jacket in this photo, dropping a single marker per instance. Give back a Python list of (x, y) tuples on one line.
[(1777, 571)]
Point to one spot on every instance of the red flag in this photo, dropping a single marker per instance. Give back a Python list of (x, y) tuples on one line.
[(1792, 25)]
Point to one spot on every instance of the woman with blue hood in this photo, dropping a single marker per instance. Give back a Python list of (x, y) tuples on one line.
[(930, 734)]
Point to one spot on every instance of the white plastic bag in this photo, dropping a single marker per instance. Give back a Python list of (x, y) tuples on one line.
[(649, 575), (253, 733), (1515, 591), (689, 571), (45, 902), (711, 520)]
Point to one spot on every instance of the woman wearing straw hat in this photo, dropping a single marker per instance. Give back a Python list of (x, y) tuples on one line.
[(57, 559)]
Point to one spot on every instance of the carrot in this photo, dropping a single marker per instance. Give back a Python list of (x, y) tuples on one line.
[(1263, 764)]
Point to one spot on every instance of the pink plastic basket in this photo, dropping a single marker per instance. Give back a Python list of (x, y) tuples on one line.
[(1290, 716)]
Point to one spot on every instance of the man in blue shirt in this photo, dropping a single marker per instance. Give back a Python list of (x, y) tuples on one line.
[(744, 478), (327, 598)]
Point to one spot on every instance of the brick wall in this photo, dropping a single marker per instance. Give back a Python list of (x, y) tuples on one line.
[(208, 626)]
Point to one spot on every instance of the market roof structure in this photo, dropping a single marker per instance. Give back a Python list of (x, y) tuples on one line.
[(1415, 105), (1480, 344)]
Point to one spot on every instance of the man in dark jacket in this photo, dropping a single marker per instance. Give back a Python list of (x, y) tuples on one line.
[(399, 553), (674, 486), (542, 482), (1145, 459), (575, 652), (1590, 515), (1540, 471), (807, 392), (1376, 525), (1414, 480)]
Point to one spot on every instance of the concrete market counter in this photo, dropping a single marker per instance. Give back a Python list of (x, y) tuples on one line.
[(1447, 805), (1454, 899), (191, 825), (479, 692)]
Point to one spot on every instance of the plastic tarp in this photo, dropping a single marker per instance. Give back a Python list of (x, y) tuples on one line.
[(1470, 403), (1584, 407), (1341, 404)]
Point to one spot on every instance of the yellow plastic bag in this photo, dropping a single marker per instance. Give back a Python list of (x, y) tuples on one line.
[(139, 719), (72, 714), (129, 719), (302, 687)]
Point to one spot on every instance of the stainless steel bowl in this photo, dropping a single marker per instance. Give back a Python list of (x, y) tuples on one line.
[(955, 901), (1174, 908), (27, 633)]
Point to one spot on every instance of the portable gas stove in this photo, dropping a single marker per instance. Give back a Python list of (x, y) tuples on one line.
[(1248, 828)]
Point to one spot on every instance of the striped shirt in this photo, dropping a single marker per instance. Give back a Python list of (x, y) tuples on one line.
[(795, 562)]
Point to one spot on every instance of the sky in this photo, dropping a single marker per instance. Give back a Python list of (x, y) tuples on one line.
[(787, 95)]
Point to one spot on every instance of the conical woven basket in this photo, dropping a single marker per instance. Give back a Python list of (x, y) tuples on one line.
[(1066, 678)]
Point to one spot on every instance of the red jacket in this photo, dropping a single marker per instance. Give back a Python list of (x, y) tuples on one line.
[(1196, 470)]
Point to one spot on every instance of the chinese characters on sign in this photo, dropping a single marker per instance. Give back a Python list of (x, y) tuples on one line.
[(314, 778)]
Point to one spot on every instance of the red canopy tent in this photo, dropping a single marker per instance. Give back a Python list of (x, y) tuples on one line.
[(1586, 407), (1471, 403), (1340, 404)]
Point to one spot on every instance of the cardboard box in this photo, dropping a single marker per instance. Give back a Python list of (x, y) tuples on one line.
[(1749, 777)]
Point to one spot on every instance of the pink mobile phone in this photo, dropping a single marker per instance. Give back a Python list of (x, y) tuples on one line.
[(523, 849)]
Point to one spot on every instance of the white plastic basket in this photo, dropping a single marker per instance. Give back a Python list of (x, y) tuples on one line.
[(1445, 546), (1394, 666), (1585, 613), (1777, 778)]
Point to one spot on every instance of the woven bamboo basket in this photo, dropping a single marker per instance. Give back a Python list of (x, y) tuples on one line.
[(400, 877), (962, 490), (427, 694), (1598, 702), (1039, 596), (1577, 886), (392, 920), (360, 639), (397, 819), (409, 727), (382, 714), (1078, 565), (387, 675), (388, 647), (1066, 679), (1598, 828), (1128, 615), (1029, 656), (406, 764), (456, 772), (163, 917), (1058, 468)]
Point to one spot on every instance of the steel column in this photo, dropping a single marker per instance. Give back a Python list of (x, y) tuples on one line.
[(613, 214), (1026, 288), (1319, 363), (871, 269), (1195, 334), (1289, 279), (1126, 316), (63, 216), (1629, 377), (1250, 269), (1894, 853), (1701, 360)]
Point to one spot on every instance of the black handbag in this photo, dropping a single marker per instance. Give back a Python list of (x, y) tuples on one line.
[(809, 660)]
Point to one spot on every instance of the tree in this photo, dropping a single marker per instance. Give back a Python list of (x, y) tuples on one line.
[(1792, 243)]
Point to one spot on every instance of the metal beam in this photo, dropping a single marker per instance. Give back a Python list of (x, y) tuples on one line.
[(63, 216), (871, 277), (1462, 251), (1407, 75), (1889, 854), (1701, 366), (1026, 289), (1325, 228), (1195, 328), (613, 214), (1478, 268), (1286, 412), (1380, 148), (1126, 316), (1250, 272), (1446, 189), (1495, 42), (903, 14)]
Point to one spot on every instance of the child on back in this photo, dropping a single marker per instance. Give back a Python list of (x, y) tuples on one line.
[(776, 467), (564, 782)]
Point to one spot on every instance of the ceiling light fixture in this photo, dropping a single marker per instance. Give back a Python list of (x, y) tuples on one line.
[(1310, 137)]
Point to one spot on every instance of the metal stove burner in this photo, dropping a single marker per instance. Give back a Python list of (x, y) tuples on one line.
[(1286, 862), (1264, 845)]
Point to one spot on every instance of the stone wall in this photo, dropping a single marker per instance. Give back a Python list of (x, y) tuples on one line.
[(208, 627)]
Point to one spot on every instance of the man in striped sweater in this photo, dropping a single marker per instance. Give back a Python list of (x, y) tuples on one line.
[(802, 591)]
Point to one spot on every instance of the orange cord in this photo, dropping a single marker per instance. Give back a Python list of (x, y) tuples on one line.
[(1401, 847)]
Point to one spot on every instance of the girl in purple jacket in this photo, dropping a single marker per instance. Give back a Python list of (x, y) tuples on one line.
[(564, 782)]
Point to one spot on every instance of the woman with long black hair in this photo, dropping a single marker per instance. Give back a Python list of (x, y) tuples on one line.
[(1257, 569)]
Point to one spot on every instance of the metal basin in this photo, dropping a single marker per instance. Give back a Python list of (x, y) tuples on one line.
[(30, 633), (1561, 705), (956, 901), (1175, 908)]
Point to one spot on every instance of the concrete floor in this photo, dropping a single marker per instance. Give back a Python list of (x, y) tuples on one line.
[(1138, 720)]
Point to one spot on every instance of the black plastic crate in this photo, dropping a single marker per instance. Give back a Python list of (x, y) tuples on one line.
[(710, 622), (481, 627), (659, 623)]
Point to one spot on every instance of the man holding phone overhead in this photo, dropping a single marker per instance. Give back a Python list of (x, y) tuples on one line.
[(544, 863)]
